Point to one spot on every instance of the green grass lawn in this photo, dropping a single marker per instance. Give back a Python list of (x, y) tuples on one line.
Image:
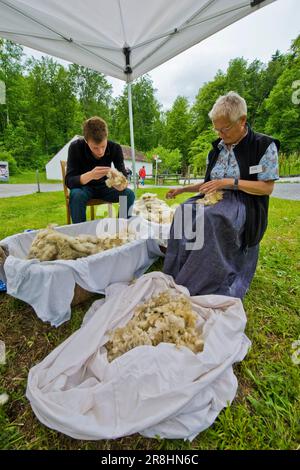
[(40, 209), (266, 411)]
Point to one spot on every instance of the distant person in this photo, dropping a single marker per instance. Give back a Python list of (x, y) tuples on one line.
[(89, 161), (142, 175), (137, 180), (129, 174)]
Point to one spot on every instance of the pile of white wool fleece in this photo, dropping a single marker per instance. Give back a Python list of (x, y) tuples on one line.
[(211, 199), (116, 178), (153, 209), (165, 318), (50, 245)]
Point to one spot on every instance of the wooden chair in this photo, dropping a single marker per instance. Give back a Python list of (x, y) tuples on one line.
[(91, 202)]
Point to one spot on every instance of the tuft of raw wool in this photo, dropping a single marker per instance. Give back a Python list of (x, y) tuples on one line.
[(3, 398), (153, 209), (49, 245), (116, 178), (167, 317), (2, 353), (211, 199)]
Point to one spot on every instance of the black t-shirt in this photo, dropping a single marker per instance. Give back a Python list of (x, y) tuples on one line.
[(81, 160)]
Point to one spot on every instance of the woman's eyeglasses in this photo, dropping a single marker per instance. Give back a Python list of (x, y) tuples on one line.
[(224, 130)]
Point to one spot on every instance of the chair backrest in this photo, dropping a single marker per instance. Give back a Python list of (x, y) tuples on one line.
[(63, 165)]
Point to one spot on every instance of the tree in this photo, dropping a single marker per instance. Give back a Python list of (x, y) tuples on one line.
[(205, 100), (254, 93), (247, 80), (199, 150), (54, 114), (93, 92), (21, 144), (178, 129), (11, 74), (236, 77), (68, 116), (263, 87), (42, 115), (253, 81), (171, 160), (283, 106), (146, 115)]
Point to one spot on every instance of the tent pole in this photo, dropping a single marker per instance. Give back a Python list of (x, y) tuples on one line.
[(131, 133)]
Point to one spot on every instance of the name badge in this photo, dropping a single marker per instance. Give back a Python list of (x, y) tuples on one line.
[(255, 169)]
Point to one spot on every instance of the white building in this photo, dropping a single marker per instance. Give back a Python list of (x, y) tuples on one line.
[(53, 169)]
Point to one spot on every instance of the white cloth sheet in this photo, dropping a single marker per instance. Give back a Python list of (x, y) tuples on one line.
[(48, 286), (160, 390)]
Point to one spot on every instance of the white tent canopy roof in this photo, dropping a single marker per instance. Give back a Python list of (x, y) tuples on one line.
[(94, 33)]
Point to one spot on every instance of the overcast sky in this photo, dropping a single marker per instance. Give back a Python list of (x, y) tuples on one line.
[(258, 35)]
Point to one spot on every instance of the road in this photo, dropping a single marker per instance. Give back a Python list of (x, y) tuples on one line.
[(13, 190), (282, 190)]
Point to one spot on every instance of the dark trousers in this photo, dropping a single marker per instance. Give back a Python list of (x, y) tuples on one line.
[(79, 198)]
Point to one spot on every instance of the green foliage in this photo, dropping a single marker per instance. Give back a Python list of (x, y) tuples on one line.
[(22, 148), (205, 100), (253, 81), (146, 115), (178, 128), (93, 91), (236, 75), (272, 93), (199, 150), (41, 161), (283, 104), (54, 106), (289, 164), (11, 75), (262, 87), (171, 160), (12, 164)]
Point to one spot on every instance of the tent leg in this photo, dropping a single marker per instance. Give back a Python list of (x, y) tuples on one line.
[(131, 134)]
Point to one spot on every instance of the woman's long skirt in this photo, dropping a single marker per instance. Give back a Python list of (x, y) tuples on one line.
[(221, 265)]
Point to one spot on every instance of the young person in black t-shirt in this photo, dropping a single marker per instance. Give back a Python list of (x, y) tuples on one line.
[(89, 161)]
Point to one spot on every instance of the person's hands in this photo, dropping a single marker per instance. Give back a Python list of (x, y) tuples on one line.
[(99, 171), (173, 193), (215, 185)]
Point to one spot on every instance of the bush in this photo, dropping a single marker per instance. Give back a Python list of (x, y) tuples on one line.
[(171, 160), (199, 150), (21, 145), (12, 164), (40, 162), (289, 165)]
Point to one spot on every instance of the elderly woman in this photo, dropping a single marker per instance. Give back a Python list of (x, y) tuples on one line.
[(244, 165)]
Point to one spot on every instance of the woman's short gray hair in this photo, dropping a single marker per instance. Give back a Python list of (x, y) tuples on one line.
[(232, 106)]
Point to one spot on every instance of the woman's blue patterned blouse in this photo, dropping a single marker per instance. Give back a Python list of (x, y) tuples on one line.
[(227, 165)]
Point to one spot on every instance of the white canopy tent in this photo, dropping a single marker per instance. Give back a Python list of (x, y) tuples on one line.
[(120, 38)]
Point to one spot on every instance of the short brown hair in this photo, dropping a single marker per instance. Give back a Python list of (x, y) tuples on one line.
[(95, 128)]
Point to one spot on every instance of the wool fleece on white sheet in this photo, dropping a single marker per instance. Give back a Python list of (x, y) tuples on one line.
[(48, 286), (159, 390)]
